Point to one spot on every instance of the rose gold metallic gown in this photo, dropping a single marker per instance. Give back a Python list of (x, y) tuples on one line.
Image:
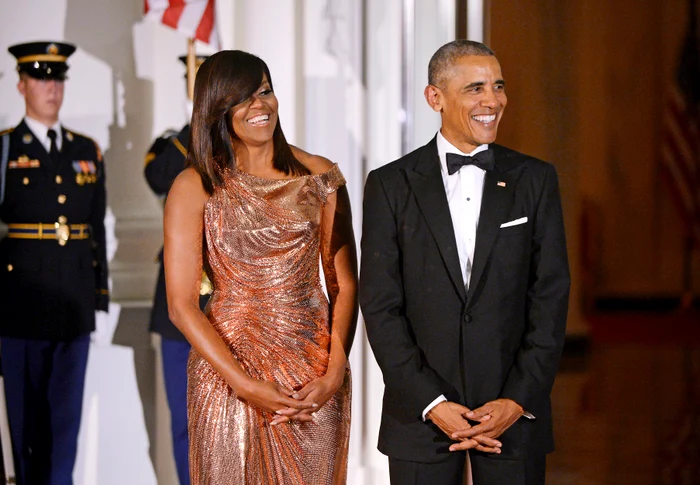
[(263, 240)]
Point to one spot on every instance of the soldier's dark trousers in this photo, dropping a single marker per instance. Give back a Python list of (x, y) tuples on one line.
[(44, 383), (175, 355)]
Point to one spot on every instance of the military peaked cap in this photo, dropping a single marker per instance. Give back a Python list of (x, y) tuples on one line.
[(43, 60)]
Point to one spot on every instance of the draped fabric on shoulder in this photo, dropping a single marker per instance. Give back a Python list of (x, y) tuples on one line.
[(263, 246)]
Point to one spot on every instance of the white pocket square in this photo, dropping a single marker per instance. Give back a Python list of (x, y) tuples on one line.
[(515, 222)]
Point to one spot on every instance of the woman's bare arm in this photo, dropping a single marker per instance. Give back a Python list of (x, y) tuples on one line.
[(339, 259)]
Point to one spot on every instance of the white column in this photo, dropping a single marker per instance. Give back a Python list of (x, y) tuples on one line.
[(334, 97), (434, 26), (384, 135), (475, 20), (271, 30)]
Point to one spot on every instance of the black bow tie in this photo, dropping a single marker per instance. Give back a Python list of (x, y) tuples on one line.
[(483, 160)]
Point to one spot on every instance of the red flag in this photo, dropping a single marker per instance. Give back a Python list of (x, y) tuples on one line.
[(680, 142), (194, 18)]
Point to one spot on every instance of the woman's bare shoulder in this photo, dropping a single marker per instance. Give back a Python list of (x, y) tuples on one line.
[(188, 185), (315, 163)]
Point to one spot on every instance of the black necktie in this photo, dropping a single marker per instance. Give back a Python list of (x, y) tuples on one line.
[(483, 160), (53, 152)]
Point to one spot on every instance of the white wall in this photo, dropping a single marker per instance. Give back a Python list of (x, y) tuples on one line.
[(337, 69)]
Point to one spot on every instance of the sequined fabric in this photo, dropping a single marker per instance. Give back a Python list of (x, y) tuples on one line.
[(268, 305)]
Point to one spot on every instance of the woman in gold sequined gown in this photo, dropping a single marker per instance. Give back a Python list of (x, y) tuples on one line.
[(268, 376)]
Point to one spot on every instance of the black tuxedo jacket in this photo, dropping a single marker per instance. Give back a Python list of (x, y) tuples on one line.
[(49, 291), (502, 338)]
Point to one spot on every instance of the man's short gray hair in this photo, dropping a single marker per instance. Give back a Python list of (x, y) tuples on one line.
[(448, 54)]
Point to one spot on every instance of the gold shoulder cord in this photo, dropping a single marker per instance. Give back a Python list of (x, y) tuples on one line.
[(179, 146)]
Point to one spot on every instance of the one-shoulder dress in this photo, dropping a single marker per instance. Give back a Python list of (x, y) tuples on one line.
[(263, 248)]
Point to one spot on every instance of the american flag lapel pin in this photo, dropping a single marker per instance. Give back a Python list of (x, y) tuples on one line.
[(501, 184)]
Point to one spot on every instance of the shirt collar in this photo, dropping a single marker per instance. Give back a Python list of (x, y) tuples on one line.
[(41, 131), (444, 147)]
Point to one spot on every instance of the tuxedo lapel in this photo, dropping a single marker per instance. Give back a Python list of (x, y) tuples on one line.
[(496, 200), (429, 190)]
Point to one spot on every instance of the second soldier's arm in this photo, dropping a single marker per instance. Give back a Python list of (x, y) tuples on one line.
[(99, 239), (165, 160)]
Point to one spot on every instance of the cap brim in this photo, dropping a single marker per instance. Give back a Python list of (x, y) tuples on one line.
[(44, 70)]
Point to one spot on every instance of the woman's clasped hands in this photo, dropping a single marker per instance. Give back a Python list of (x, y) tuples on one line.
[(276, 398), (290, 405)]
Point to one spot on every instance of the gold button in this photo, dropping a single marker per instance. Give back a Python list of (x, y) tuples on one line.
[(25, 180), (61, 199), (10, 267), (59, 179), (62, 219), (94, 263)]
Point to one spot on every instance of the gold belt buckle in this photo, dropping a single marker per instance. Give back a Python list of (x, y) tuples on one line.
[(62, 231), (205, 286)]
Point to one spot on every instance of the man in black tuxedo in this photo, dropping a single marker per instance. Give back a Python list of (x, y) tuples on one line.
[(464, 290)]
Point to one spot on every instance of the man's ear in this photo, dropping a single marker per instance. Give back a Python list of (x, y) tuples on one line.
[(21, 86), (433, 96)]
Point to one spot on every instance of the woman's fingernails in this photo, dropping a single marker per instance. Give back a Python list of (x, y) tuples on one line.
[(295, 395)]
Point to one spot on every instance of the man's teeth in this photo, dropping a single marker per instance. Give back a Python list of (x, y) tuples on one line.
[(484, 118), (259, 119)]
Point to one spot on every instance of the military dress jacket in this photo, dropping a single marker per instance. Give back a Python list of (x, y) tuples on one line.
[(53, 260)]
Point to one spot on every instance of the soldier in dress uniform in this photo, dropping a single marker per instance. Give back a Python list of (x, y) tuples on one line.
[(164, 161), (53, 267)]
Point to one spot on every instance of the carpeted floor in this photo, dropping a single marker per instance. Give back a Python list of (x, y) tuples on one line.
[(627, 408)]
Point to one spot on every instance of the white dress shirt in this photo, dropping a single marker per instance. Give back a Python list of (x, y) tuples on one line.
[(41, 132), (464, 190)]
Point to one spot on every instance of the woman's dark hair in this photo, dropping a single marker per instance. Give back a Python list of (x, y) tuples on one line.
[(224, 80)]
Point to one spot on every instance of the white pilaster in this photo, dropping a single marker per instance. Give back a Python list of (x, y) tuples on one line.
[(271, 30), (384, 117)]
